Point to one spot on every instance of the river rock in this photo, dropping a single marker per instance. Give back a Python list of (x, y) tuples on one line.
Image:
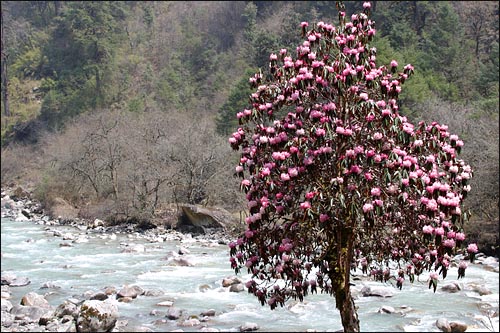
[(34, 299), (20, 282), (7, 319), (50, 285), (190, 322), (229, 281), (237, 288), (29, 314), (481, 290), (97, 316), (386, 309), (7, 278), (130, 291), (452, 287), (173, 313), (379, 291), (457, 326), (246, 327), (134, 248), (66, 309), (209, 329), (100, 296), (165, 303), (182, 262), (208, 313), (183, 250), (443, 325), (6, 305), (154, 292)]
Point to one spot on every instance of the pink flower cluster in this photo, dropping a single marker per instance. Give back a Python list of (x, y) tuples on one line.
[(323, 145)]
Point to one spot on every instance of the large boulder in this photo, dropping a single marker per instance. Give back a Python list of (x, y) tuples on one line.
[(97, 316), (34, 299), (130, 291), (197, 219), (378, 291)]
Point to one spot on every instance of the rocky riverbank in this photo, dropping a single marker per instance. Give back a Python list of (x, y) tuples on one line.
[(98, 310)]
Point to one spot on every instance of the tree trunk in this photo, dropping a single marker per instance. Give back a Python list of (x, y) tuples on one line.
[(5, 79), (340, 267)]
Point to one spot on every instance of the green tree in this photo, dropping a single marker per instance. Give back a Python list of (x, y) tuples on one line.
[(334, 175), (80, 51), (237, 100)]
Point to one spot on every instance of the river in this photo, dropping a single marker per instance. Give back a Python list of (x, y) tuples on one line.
[(31, 250)]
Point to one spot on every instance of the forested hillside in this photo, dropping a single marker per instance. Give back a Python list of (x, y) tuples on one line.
[(121, 108)]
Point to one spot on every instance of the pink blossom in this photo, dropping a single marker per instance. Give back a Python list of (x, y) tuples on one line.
[(320, 132), (310, 195), (245, 182), (427, 229), (304, 24), (285, 177), (434, 276), (265, 172), (367, 5), (449, 243), (323, 217), (472, 248), (367, 207), (394, 63), (293, 172), (305, 205), (462, 264), (375, 191), (368, 176), (273, 56), (460, 236), (439, 231)]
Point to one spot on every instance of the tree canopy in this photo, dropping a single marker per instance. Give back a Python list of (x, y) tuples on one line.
[(336, 177)]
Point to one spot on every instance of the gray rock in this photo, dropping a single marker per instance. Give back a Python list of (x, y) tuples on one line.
[(154, 292), (208, 313), (228, 281), (386, 309), (66, 308), (29, 314), (246, 327), (130, 291), (377, 291), (49, 285), (173, 314), (6, 305), (20, 282), (7, 319), (182, 262), (237, 288), (100, 296), (97, 316), (134, 248), (452, 287), (165, 303), (190, 322), (34, 299), (443, 325), (457, 326), (7, 279)]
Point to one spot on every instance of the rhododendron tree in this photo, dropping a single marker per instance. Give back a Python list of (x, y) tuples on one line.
[(335, 176)]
